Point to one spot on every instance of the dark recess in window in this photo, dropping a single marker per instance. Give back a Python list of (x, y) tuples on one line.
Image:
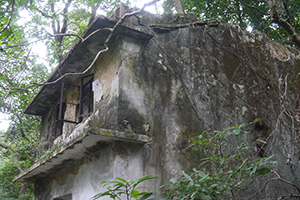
[(83, 109), (59, 122), (86, 97), (60, 112), (65, 197)]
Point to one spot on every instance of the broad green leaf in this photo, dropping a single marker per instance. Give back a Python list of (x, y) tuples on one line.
[(135, 194), (263, 171)]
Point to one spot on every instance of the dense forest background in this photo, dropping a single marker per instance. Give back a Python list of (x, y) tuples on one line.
[(54, 26)]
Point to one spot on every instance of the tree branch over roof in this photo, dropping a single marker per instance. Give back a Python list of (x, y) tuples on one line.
[(178, 6), (107, 40), (255, 8), (45, 14), (62, 30), (276, 18), (43, 38)]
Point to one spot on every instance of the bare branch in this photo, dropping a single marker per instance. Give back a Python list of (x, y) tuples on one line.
[(178, 6), (10, 18), (255, 8), (105, 42), (287, 12), (69, 34), (276, 179), (65, 20), (32, 15), (43, 38), (289, 196), (45, 14), (285, 181), (16, 161), (96, 31), (62, 30), (53, 24), (93, 13), (275, 17), (79, 73)]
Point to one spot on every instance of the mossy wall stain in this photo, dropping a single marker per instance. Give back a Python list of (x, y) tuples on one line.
[(223, 76), (188, 80)]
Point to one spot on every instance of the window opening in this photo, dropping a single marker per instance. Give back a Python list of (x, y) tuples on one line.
[(82, 110), (65, 197), (60, 113), (59, 122), (86, 97)]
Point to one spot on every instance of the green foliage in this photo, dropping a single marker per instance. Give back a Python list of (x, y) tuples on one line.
[(46, 154), (226, 166), (10, 190), (246, 13), (129, 189), (50, 20), (21, 74)]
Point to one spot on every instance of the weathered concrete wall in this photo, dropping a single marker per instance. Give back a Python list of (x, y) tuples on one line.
[(83, 178), (211, 77), (181, 83)]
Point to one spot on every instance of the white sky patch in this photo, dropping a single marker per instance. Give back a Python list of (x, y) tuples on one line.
[(38, 47), (40, 50), (249, 29), (4, 122), (24, 17), (154, 9)]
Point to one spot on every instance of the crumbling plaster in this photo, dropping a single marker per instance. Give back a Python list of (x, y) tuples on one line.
[(211, 77), (180, 83), (114, 160)]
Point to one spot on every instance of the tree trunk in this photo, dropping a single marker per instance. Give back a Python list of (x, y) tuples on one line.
[(178, 6), (23, 188), (276, 18)]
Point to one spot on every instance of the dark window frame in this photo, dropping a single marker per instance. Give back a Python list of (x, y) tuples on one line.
[(59, 119), (64, 197), (60, 111), (83, 109), (86, 99)]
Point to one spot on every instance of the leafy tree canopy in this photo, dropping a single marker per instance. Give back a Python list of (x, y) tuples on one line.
[(279, 19), (57, 23)]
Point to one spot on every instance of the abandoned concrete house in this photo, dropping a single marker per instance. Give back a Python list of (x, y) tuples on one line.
[(130, 110)]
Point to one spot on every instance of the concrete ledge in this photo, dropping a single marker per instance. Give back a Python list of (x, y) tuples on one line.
[(75, 150)]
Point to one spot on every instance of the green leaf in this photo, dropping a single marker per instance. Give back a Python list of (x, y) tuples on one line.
[(123, 180), (188, 177), (142, 179), (97, 196), (135, 194), (173, 180), (263, 171), (146, 196)]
